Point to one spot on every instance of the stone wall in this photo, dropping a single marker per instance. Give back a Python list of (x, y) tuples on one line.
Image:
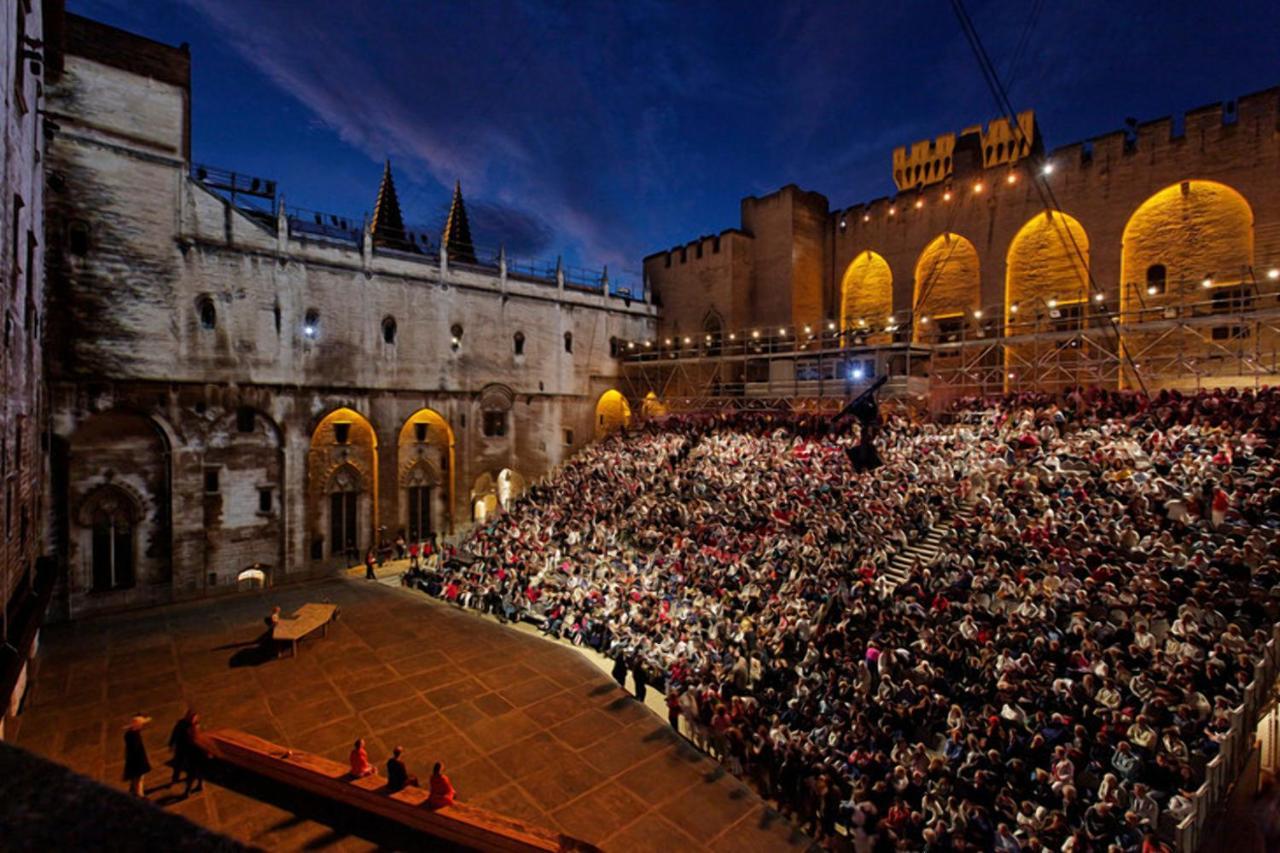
[(238, 344), (1101, 184)]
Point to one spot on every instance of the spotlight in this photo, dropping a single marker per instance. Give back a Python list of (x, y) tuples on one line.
[(310, 332), (808, 330), (667, 342), (977, 188), (924, 321), (708, 339), (687, 341), (831, 326), (866, 217), (1273, 273), (1052, 303), (977, 313), (782, 332), (946, 196), (1013, 376), (856, 374), (1208, 281), (1046, 169), (889, 319), (755, 333), (1098, 297), (843, 224), (1012, 178), (648, 344), (631, 344), (1152, 290), (1013, 309), (892, 211), (919, 203), (733, 336)]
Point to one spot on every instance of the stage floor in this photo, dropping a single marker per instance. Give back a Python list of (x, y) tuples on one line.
[(524, 726)]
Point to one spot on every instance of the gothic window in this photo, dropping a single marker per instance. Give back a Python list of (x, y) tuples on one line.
[(112, 521), (495, 424), (389, 330), (518, 343), (568, 342), (344, 498), (419, 512), (311, 324)]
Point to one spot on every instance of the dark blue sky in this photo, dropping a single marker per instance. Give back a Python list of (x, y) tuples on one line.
[(605, 131)]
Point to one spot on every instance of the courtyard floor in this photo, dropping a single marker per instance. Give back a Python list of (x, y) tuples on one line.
[(525, 727)]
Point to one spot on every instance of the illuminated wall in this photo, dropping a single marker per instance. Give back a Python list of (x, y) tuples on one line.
[(426, 459), (947, 282), (1047, 276), (866, 294), (612, 413), (343, 459)]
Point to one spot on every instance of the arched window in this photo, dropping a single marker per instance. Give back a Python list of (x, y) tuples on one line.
[(208, 314), (456, 340), (389, 330), (112, 518), (1156, 275), (568, 342), (517, 343)]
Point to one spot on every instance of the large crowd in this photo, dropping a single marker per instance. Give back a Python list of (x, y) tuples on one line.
[(1056, 677)]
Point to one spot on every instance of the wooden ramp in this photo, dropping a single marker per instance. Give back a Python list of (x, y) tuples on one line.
[(458, 823)]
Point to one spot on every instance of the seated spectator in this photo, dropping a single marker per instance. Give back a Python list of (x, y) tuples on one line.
[(359, 758), (442, 792), (397, 773)]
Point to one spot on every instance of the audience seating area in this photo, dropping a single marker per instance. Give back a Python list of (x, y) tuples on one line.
[(1078, 666)]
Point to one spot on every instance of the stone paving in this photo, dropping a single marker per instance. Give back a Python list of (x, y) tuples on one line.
[(524, 726)]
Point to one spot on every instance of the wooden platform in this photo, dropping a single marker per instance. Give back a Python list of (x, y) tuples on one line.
[(458, 823), (307, 618)]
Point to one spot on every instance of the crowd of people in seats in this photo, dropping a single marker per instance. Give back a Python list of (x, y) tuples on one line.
[(1057, 678)]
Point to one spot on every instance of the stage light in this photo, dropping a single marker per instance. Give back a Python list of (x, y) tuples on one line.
[(310, 332), (1046, 169), (977, 313), (755, 333), (1052, 303), (892, 211), (866, 217), (782, 332), (1152, 290), (946, 196), (919, 203), (631, 344), (688, 341), (648, 344), (924, 321), (1013, 376), (808, 330), (856, 374), (733, 336), (831, 326), (1013, 309), (667, 342)]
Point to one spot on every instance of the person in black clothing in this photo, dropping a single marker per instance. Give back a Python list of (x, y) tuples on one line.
[(136, 765), (397, 773), (187, 756), (620, 670), (640, 677)]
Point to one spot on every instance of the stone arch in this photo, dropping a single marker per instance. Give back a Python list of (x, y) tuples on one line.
[(1192, 229), (947, 286), (612, 413), (866, 295), (652, 407), (712, 332), (118, 490), (342, 493), (425, 459), (511, 485), (1046, 289)]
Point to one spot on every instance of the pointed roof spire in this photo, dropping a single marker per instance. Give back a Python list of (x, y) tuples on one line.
[(457, 231), (387, 226)]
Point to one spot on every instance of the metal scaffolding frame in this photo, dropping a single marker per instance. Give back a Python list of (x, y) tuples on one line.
[(1192, 335)]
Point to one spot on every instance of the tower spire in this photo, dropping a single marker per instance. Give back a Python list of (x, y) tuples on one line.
[(457, 231), (388, 225)]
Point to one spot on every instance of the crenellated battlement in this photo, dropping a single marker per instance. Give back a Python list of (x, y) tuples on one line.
[(704, 247)]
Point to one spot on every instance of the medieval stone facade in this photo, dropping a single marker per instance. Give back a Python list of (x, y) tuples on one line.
[(1174, 221), (232, 392), (22, 402)]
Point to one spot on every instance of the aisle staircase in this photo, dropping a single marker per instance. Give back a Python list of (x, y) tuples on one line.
[(924, 551)]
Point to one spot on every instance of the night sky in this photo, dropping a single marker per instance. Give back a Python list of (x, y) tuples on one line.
[(605, 131)]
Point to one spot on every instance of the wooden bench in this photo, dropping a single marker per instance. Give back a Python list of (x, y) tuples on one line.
[(308, 618), (458, 823)]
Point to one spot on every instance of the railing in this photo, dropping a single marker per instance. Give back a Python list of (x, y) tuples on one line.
[(1226, 767)]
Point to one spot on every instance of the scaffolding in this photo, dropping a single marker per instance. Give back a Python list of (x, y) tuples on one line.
[(1185, 335)]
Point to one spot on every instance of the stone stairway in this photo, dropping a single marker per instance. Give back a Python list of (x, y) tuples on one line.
[(924, 551)]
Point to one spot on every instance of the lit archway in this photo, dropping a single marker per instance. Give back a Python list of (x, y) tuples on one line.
[(612, 413), (342, 488), (1046, 290), (947, 288), (511, 485), (426, 463), (652, 407), (866, 296)]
